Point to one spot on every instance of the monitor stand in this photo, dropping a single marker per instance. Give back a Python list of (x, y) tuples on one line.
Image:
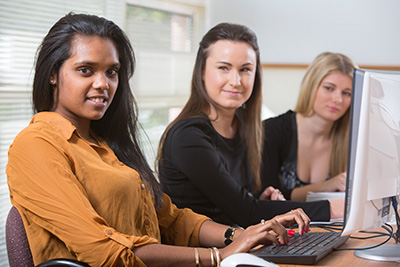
[(387, 252)]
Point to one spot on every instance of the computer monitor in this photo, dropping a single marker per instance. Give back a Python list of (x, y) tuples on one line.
[(373, 173)]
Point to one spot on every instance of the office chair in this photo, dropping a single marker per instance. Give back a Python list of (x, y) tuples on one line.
[(18, 250)]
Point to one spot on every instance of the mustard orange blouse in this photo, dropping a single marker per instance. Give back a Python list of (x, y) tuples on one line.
[(77, 200)]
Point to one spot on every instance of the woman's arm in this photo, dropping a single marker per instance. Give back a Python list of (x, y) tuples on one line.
[(337, 183), (212, 235)]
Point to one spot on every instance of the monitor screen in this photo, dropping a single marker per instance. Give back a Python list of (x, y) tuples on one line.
[(373, 172)]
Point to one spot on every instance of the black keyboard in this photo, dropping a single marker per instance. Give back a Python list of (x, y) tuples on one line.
[(306, 249)]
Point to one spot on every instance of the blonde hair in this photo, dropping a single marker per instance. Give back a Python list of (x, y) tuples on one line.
[(323, 65), (250, 124)]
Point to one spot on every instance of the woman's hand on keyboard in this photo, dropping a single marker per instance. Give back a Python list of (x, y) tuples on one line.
[(265, 232), (297, 216)]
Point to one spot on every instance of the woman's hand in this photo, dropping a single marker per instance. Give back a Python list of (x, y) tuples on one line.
[(337, 183), (271, 193), (337, 208), (297, 216), (267, 232)]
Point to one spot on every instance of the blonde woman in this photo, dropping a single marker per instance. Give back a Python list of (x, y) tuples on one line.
[(306, 149)]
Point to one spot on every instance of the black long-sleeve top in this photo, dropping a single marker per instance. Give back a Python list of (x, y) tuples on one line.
[(208, 173)]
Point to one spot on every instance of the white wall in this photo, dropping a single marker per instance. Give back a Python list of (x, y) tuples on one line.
[(296, 31), (281, 88)]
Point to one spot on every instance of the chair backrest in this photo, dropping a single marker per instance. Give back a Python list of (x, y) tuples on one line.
[(19, 252)]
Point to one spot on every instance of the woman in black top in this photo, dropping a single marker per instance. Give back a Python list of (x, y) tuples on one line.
[(209, 156)]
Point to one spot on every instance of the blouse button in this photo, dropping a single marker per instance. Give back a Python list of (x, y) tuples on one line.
[(109, 232), (143, 186)]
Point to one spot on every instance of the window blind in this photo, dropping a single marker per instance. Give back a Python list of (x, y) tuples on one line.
[(162, 41)]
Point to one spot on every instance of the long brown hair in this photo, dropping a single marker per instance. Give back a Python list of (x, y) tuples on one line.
[(250, 125), (119, 125), (323, 65)]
